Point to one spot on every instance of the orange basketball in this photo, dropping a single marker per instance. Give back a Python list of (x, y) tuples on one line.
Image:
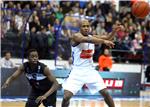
[(140, 9)]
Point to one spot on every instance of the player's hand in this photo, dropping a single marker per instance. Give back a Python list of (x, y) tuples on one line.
[(109, 43), (5, 85), (40, 99)]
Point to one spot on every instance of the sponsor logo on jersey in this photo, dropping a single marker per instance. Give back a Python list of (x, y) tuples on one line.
[(86, 54)]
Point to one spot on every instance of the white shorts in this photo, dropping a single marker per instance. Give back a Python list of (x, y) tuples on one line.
[(84, 75)]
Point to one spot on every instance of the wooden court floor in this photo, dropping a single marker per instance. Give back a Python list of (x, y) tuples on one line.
[(143, 101), (87, 104)]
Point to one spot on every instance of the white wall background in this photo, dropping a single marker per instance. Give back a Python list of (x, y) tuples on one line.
[(118, 67), (115, 68)]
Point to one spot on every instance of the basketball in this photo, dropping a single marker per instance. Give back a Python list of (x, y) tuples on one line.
[(140, 9)]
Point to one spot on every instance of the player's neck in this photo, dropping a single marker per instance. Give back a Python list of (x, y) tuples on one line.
[(33, 66), (84, 34)]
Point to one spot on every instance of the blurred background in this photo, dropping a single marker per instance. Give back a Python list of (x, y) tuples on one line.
[(45, 24)]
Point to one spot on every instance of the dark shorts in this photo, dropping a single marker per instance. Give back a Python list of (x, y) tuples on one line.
[(49, 102)]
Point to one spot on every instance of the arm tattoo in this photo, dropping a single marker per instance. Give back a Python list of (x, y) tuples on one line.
[(89, 40)]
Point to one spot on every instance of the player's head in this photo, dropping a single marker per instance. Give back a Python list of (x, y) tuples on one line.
[(84, 27), (33, 56), (7, 55)]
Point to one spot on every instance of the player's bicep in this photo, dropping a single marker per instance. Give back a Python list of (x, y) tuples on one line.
[(101, 36), (80, 39), (18, 72)]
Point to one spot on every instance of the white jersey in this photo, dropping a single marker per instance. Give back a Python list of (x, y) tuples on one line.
[(83, 71), (82, 55)]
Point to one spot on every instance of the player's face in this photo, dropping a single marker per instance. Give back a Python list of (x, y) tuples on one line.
[(33, 57), (8, 56), (85, 27)]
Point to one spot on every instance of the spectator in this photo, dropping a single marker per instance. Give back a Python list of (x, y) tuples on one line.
[(35, 23), (102, 14), (59, 15), (33, 43), (19, 20), (147, 73), (42, 39), (105, 61), (137, 42), (43, 19), (109, 22), (49, 9), (100, 29), (6, 62)]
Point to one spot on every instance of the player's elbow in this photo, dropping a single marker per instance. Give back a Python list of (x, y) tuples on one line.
[(12, 78), (56, 84)]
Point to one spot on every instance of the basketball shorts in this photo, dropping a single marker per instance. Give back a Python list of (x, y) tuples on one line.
[(84, 75)]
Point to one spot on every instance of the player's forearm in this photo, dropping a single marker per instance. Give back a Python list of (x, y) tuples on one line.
[(83, 39), (90, 40), (10, 79), (54, 87), (110, 36), (97, 40)]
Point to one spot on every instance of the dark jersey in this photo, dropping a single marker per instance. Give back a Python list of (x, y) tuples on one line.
[(36, 77)]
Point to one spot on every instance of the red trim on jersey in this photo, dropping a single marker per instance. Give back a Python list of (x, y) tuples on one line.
[(86, 54), (87, 51)]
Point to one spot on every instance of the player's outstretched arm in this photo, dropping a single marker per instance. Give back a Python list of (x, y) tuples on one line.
[(15, 75), (79, 38), (111, 35), (54, 87)]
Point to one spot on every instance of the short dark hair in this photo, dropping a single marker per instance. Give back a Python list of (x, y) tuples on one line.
[(7, 52), (30, 50)]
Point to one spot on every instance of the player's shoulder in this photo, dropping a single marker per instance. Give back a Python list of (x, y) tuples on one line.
[(77, 34), (74, 38), (42, 64), (21, 67), (25, 64)]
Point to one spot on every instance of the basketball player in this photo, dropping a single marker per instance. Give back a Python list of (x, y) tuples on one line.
[(82, 71), (44, 85)]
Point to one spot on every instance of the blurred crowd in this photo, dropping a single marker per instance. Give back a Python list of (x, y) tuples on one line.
[(51, 23)]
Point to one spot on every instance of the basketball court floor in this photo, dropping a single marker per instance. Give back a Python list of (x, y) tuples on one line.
[(142, 101)]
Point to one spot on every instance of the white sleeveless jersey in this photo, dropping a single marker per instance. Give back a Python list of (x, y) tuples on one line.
[(82, 55)]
